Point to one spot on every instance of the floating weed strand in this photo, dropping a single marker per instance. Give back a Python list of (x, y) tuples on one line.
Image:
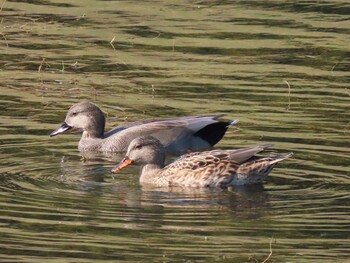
[(3, 35), (2, 5), (41, 65), (111, 43), (153, 92), (159, 33), (269, 256), (288, 108)]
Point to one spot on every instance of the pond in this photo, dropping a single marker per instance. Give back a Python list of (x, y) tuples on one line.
[(280, 67)]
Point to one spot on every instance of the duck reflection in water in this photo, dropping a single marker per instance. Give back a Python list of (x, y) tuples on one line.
[(151, 208)]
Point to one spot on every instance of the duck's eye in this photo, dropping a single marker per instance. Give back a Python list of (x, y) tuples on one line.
[(74, 113), (138, 146)]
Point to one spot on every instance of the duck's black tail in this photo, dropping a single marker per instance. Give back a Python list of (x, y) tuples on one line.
[(214, 132)]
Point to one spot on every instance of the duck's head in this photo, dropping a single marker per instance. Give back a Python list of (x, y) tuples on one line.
[(86, 116), (143, 150)]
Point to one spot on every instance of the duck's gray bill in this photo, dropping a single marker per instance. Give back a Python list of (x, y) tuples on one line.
[(64, 127)]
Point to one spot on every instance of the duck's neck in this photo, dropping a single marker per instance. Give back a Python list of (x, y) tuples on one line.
[(95, 128), (90, 141), (151, 174), (92, 134)]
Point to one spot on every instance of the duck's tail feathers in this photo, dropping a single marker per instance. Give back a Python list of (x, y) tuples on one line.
[(214, 132), (276, 159), (233, 122), (255, 171)]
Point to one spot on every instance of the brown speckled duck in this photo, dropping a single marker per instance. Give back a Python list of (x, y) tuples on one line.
[(216, 168), (177, 135)]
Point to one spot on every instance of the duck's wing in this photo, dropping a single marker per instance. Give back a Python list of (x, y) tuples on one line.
[(244, 154), (220, 168), (202, 159), (179, 134), (126, 126), (201, 169), (189, 121), (256, 170)]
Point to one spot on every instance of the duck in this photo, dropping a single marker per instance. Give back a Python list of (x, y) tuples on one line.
[(214, 168), (178, 135)]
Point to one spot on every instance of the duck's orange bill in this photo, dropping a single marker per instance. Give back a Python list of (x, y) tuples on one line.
[(123, 163)]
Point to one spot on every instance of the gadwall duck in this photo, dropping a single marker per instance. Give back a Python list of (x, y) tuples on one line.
[(216, 168), (177, 135)]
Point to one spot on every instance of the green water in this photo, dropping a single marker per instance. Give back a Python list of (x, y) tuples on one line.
[(281, 67)]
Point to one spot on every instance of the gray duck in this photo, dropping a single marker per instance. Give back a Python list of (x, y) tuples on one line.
[(177, 134)]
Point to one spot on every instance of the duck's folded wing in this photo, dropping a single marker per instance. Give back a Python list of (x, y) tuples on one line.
[(127, 125), (242, 155), (194, 123), (201, 169), (170, 130)]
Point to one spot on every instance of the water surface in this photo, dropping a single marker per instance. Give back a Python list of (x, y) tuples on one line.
[(281, 67)]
